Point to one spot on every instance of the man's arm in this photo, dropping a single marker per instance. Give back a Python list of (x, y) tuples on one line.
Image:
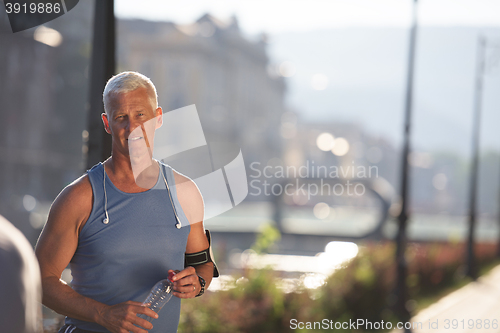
[(186, 282), (55, 248)]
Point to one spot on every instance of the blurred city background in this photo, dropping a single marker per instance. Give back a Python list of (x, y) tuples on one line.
[(317, 86)]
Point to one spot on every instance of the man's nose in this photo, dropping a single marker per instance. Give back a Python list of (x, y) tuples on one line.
[(133, 124)]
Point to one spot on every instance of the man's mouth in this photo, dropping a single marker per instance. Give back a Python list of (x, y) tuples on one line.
[(135, 138)]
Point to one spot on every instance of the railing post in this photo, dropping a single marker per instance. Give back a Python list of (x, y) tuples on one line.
[(401, 238), (471, 260)]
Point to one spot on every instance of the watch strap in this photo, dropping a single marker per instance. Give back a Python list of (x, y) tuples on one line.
[(202, 284)]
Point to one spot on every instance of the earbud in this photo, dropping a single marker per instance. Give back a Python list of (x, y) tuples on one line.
[(178, 225), (105, 220)]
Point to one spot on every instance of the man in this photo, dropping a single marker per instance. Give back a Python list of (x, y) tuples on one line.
[(20, 290), (123, 226)]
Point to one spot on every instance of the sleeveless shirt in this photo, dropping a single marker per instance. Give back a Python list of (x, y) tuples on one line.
[(123, 260)]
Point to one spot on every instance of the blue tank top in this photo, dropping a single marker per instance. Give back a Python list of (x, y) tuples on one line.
[(122, 260)]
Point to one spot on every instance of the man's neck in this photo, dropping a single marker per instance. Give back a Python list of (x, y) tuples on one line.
[(134, 175)]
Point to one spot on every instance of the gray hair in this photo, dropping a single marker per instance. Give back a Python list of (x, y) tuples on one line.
[(126, 82)]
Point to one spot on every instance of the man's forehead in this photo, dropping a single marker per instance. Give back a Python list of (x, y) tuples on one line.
[(138, 96)]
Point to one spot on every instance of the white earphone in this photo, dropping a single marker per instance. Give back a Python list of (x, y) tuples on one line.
[(178, 224), (106, 219)]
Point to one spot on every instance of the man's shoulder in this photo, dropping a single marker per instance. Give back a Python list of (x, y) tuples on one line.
[(181, 179), (187, 185), (80, 187), (78, 193), (73, 204), (189, 197)]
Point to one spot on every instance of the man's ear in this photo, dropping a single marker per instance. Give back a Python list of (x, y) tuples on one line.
[(105, 121), (159, 117)]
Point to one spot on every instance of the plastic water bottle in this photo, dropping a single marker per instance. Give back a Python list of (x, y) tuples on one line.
[(159, 296)]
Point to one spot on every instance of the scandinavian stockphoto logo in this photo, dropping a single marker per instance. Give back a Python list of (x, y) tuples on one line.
[(28, 14), (217, 168)]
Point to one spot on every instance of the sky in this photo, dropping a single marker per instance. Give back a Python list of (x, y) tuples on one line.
[(278, 16)]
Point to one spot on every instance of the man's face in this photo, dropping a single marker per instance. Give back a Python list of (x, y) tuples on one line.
[(132, 122)]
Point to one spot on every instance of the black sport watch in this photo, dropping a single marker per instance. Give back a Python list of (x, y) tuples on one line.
[(202, 284)]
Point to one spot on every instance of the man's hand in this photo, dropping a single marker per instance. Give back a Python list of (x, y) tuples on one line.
[(120, 318), (186, 283)]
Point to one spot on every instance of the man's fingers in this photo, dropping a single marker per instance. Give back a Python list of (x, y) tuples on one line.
[(138, 308), (185, 283), (123, 318), (188, 280), (190, 288), (134, 329), (185, 272), (185, 280), (186, 286), (184, 295), (142, 323), (186, 291), (147, 311), (129, 327)]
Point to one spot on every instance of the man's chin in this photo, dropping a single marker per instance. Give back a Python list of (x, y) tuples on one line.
[(140, 157)]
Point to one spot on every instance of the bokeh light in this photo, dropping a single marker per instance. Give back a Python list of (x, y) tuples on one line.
[(29, 202), (48, 36), (347, 249), (37, 220), (300, 198), (439, 181), (321, 210), (340, 147), (325, 141), (287, 69), (314, 280)]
